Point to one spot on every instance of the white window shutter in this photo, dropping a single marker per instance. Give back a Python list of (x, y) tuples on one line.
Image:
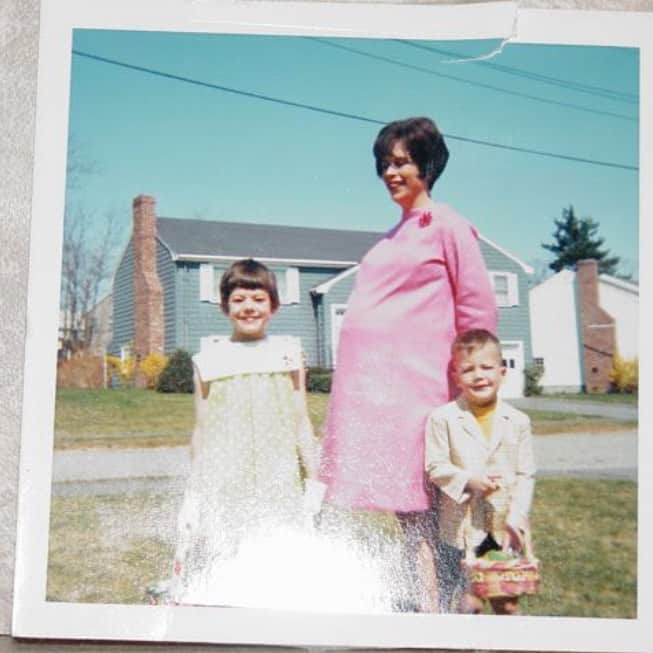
[(291, 295), (207, 283), (513, 289)]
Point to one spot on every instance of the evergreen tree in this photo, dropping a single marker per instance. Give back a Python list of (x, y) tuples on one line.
[(576, 239), (177, 375)]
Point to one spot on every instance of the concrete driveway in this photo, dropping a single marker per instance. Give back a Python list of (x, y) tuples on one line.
[(604, 455)]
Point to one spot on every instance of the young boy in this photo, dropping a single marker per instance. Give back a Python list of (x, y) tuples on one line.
[(479, 454)]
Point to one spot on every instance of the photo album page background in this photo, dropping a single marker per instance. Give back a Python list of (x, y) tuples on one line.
[(187, 149)]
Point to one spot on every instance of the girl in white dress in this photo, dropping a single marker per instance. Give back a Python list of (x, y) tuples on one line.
[(252, 445)]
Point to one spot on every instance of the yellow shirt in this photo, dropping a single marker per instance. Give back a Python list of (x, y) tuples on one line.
[(485, 417)]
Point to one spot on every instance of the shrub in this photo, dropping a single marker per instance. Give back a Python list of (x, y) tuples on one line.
[(318, 379), (81, 371), (114, 366), (532, 376), (177, 375), (151, 367), (625, 374), (125, 370)]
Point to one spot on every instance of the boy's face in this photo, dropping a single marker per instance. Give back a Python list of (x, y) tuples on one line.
[(249, 312), (479, 374)]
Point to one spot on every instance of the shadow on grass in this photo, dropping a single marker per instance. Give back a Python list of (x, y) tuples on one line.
[(110, 548)]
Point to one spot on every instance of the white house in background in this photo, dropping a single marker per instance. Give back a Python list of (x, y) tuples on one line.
[(621, 299), (576, 346), (555, 332)]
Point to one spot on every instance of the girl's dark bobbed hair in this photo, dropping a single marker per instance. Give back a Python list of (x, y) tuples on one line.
[(250, 274), (423, 141)]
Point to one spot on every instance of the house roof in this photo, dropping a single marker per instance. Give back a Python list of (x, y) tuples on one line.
[(620, 283), (567, 276), (524, 266), (205, 240), (202, 240), (323, 288)]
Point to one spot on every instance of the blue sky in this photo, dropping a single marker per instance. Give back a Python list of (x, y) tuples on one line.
[(210, 154)]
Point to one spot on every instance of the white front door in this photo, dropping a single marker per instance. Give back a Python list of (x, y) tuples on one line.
[(513, 358), (337, 316)]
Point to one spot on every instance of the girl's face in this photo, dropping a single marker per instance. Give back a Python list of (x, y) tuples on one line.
[(249, 312), (401, 177)]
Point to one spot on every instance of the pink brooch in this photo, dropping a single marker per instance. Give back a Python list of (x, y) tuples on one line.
[(425, 219)]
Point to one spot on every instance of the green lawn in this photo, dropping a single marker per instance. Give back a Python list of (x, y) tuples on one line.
[(547, 421), (585, 534), (128, 417), (110, 548)]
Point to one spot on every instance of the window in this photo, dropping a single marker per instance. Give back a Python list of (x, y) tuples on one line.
[(126, 352), (538, 362), (290, 281), (210, 283), (506, 288), (287, 283)]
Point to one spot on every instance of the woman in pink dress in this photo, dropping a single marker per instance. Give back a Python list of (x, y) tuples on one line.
[(424, 282)]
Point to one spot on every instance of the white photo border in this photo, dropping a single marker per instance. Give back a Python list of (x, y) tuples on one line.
[(36, 617)]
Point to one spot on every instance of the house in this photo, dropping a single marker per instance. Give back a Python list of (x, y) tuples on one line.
[(98, 322), (165, 286), (579, 319), (90, 333)]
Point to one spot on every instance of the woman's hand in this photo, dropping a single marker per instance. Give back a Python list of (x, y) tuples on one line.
[(482, 485)]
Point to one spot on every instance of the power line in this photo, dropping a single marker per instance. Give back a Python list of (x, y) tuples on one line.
[(500, 89), (599, 91), (226, 89), (340, 114)]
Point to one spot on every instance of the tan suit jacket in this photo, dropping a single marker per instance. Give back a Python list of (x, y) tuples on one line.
[(457, 450)]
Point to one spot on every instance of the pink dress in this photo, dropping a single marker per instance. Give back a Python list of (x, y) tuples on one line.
[(423, 283)]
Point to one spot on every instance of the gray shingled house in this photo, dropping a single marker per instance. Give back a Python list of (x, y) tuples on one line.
[(164, 288)]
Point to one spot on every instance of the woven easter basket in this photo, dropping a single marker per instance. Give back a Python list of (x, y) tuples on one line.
[(489, 579)]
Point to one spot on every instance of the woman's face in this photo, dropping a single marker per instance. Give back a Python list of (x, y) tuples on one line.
[(401, 177)]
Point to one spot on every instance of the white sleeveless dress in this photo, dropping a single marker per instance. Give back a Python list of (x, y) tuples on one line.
[(245, 486)]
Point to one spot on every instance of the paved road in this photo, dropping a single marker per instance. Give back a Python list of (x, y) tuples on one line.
[(599, 455), (618, 412), (604, 455)]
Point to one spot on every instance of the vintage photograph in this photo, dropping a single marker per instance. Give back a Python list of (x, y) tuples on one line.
[(191, 152), (347, 326)]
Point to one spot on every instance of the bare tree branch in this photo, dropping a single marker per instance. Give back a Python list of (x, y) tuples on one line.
[(87, 246)]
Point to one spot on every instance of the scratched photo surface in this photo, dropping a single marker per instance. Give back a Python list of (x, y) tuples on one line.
[(187, 152)]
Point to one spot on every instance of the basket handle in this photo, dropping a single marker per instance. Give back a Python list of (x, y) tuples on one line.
[(467, 533), (525, 541), (527, 546)]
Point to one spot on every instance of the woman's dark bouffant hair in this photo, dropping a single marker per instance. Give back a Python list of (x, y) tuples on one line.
[(423, 141), (250, 274)]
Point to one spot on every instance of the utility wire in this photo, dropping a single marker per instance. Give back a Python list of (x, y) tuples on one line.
[(545, 79), (500, 89), (340, 114)]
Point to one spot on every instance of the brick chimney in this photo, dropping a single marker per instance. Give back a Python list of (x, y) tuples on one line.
[(148, 295), (598, 329)]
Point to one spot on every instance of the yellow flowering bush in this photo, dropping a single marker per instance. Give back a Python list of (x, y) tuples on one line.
[(124, 369), (625, 374), (151, 367)]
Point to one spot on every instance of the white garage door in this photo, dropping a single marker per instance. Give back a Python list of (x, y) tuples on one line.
[(337, 316), (513, 357)]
